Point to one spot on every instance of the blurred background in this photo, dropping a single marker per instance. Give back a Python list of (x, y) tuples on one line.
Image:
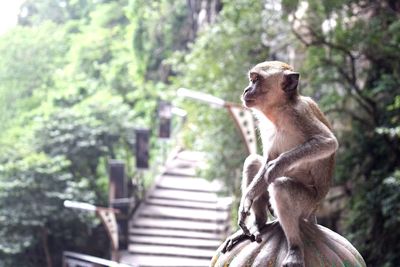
[(79, 77)]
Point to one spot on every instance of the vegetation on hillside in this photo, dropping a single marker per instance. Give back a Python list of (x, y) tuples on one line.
[(77, 77)]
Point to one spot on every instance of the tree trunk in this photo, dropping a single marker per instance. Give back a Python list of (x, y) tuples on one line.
[(46, 247)]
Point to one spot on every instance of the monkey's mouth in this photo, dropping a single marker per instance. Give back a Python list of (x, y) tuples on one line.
[(248, 101)]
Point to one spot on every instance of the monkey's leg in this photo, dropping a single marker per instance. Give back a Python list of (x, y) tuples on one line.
[(260, 215), (252, 165), (292, 201), (250, 168)]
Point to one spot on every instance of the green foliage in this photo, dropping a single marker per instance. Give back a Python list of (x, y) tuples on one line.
[(30, 62), (77, 76), (353, 69), (32, 191), (158, 29), (375, 218), (99, 126), (73, 105), (217, 64), (35, 12)]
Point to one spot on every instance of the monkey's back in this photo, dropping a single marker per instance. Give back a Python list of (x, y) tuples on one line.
[(297, 126), (324, 168)]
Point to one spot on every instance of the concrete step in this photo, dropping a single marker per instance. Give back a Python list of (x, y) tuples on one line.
[(163, 261), (175, 241), (175, 233), (160, 250), (187, 204), (188, 184), (175, 224), (152, 211), (184, 163), (182, 221), (184, 195), (191, 156), (184, 172)]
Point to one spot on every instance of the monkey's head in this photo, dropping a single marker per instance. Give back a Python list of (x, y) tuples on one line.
[(272, 83)]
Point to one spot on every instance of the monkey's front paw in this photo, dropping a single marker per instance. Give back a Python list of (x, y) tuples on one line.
[(242, 222), (233, 240), (244, 211), (276, 168), (245, 205)]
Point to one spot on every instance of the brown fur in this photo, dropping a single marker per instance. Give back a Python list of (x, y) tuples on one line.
[(296, 169)]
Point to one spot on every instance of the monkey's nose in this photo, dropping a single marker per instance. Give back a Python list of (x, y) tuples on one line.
[(247, 89)]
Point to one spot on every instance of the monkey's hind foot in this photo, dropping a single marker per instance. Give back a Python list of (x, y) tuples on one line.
[(294, 258)]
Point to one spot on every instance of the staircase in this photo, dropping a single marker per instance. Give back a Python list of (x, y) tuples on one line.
[(182, 220)]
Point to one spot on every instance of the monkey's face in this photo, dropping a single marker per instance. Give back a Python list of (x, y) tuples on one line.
[(264, 88), (269, 85)]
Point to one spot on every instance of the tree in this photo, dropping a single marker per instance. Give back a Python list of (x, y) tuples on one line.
[(32, 191), (60, 11), (30, 63), (88, 133), (352, 67), (217, 64), (156, 35), (66, 115)]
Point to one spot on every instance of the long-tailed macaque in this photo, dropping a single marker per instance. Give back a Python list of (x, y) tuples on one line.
[(296, 169)]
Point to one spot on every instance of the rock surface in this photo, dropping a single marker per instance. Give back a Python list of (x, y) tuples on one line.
[(323, 247)]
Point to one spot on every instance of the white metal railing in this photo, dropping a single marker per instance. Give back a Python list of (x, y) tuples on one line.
[(72, 259)]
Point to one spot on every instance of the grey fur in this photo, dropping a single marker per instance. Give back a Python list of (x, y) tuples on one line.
[(295, 172)]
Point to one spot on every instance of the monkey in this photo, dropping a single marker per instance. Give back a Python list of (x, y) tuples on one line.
[(295, 172)]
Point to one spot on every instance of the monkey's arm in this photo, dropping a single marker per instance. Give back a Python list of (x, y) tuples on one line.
[(257, 186), (317, 147)]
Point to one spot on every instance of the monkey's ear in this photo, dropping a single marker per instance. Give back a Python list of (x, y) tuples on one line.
[(290, 81)]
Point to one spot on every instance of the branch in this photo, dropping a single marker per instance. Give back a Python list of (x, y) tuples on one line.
[(321, 40), (298, 36), (350, 76), (352, 79), (360, 100), (46, 247), (350, 113)]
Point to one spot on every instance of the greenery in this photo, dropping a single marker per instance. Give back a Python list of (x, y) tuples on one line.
[(68, 106), (77, 77), (223, 76), (352, 67)]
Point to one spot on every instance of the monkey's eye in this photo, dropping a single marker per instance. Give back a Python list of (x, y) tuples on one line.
[(254, 78)]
